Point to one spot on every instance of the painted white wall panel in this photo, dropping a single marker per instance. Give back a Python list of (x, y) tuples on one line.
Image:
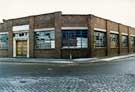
[(21, 27)]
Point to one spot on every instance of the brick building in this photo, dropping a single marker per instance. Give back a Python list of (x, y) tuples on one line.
[(55, 35)]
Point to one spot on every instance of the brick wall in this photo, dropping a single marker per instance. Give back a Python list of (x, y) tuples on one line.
[(57, 20)]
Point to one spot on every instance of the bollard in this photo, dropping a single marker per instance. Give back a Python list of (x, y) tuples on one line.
[(70, 56)]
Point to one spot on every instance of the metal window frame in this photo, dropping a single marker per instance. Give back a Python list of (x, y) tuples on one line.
[(69, 32)]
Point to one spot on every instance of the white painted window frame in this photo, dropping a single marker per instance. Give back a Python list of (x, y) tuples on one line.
[(100, 29), (74, 28), (3, 32), (124, 34), (114, 32), (132, 35), (46, 29)]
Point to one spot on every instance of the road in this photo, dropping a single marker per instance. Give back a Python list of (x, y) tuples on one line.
[(114, 76)]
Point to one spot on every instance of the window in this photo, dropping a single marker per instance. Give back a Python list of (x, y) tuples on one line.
[(132, 42), (114, 40), (3, 41), (20, 35), (74, 39), (99, 39), (45, 39), (124, 41)]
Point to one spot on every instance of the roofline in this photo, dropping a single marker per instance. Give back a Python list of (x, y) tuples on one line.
[(113, 21), (68, 15), (33, 15), (75, 14)]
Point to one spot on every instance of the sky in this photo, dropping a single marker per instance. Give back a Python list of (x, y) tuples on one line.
[(121, 11)]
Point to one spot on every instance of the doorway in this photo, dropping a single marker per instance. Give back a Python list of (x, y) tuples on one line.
[(21, 48)]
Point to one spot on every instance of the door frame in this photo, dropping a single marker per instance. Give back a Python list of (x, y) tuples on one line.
[(14, 47)]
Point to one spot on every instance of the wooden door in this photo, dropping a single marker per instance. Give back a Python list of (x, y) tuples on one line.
[(21, 48)]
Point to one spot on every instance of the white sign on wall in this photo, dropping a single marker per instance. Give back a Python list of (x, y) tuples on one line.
[(21, 27)]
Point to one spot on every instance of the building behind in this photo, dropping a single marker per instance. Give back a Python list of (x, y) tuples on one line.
[(55, 35)]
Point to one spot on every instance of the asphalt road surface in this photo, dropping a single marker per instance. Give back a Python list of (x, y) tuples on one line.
[(114, 76)]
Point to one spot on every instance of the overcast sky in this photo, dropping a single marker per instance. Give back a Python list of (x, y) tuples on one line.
[(122, 11)]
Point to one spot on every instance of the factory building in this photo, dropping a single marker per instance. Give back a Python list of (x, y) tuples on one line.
[(57, 35)]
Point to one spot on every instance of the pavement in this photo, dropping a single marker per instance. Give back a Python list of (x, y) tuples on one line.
[(95, 83), (117, 57), (115, 76), (62, 61)]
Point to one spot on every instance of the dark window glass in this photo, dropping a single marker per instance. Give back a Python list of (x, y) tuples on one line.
[(20, 35), (3, 41), (132, 42), (74, 39), (124, 41)]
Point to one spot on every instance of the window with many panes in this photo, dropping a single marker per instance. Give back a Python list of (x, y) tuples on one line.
[(124, 41), (99, 39), (74, 39), (114, 40), (132, 42), (3, 41), (45, 39), (20, 35)]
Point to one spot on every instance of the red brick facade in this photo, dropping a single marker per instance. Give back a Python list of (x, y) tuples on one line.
[(58, 21)]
